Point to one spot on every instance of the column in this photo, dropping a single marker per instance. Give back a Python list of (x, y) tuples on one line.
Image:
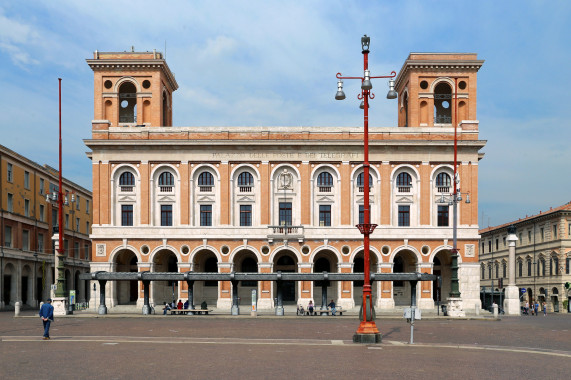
[(511, 302), (385, 300)]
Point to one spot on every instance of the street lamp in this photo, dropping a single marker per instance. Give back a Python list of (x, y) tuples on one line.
[(367, 331)]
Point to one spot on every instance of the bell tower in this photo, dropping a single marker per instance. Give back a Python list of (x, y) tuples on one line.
[(131, 89), (434, 88)]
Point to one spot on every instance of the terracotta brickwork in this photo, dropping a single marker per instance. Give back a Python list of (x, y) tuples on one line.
[(291, 200)]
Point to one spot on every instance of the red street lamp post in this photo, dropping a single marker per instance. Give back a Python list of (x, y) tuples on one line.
[(367, 331)]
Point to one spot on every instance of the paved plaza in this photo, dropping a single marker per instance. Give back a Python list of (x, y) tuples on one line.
[(223, 347)]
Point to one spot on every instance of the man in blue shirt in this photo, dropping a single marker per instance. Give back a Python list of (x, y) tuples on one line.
[(47, 315), (332, 306)]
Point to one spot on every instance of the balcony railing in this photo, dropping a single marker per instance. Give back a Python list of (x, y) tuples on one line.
[(404, 189), (362, 189), (126, 189), (285, 232), (205, 189), (325, 189), (443, 189), (443, 120), (128, 119), (245, 189), (165, 189)]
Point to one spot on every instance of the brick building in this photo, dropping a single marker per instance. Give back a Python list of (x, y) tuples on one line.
[(27, 219), (543, 258), (267, 199)]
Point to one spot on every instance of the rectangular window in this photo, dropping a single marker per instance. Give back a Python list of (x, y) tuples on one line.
[(361, 214), (166, 215), (325, 215), (504, 270), (26, 180), (206, 215), (442, 216), (87, 228), (541, 234), (246, 215), (285, 214), (25, 240), (66, 220), (87, 206), (529, 268), (520, 238), (504, 241), (40, 243), (483, 245), (497, 244), (127, 215), (404, 216), (42, 186), (86, 252), (66, 247), (520, 268), (76, 249), (555, 232), (497, 271), (55, 220), (42, 210), (490, 246), (10, 203), (26, 207), (568, 265), (10, 174), (77, 224), (78, 203)]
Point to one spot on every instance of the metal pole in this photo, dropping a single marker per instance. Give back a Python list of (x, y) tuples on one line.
[(454, 286), (102, 308), (412, 309), (190, 285), (60, 290)]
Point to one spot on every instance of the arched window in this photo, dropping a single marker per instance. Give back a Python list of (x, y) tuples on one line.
[(520, 268), (166, 182), (443, 183), (442, 104), (404, 182), (127, 181), (205, 181), (245, 182), (324, 182), (483, 271), (361, 182), (127, 103)]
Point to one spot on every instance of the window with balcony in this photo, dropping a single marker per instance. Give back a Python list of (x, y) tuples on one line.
[(166, 182), (127, 181), (325, 215), (324, 182), (442, 104), (166, 215), (442, 219), (206, 215), (245, 182), (404, 216), (205, 182), (245, 215), (127, 215), (443, 183), (404, 182), (361, 182), (285, 214)]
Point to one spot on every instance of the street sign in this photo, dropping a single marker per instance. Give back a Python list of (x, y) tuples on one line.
[(523, 290), (408, 313)]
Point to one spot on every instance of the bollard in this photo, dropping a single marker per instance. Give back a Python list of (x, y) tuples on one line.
[(477, 307), (495, 308), (17, 306)]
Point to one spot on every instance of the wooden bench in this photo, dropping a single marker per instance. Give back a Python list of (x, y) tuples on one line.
[(186, 311), (317, 311)]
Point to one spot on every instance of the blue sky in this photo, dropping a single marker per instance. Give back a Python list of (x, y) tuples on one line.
[(273, 63)]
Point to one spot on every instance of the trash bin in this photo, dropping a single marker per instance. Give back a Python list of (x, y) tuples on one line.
[(444, 309)]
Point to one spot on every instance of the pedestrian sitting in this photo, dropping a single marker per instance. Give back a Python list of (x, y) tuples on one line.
[(166, 308), (300, 310), (310, 307), (332, 306), (185, 306)]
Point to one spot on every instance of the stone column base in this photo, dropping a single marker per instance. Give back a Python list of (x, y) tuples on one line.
[(60, 305), (346, 303), (454, 308), (511, 302), (426, 303), (385, 303), (224, 303), (265, 304)]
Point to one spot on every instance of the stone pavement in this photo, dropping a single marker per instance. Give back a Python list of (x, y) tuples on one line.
[(221, 347)]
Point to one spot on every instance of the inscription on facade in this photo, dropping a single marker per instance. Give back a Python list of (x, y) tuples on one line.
[(305, 156)]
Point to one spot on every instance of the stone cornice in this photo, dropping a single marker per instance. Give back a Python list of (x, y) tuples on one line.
[(437, 65), (133, 64)]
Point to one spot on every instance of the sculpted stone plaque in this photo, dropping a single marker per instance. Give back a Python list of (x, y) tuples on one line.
[(100, 250), (469, 250)]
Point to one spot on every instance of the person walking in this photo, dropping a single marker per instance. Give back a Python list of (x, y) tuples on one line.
[(536, 308), (544, 309), (47, 315)]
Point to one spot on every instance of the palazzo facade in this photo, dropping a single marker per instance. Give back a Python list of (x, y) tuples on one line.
[(268, 199)]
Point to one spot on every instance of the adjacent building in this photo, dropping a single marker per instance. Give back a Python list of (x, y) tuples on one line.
[(28, 216), (268, 199), (543, 258)]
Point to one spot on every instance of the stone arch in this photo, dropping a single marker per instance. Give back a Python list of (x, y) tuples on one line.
[(405, 167), (404, 259), (201, 248), (357, 258), (120, 168), (320, 167), (440, 248), (236, 251), (156, 250), (439, 80), (9, 287), (317, 250), (199, 168), (410, 248), (325, 258), (241, 166), (165, 259), (126, 79), (277, 250), (372, 249), (160, 167), (125, 259), (279, 167), (287, 260), (205, 259), (119, 249)]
